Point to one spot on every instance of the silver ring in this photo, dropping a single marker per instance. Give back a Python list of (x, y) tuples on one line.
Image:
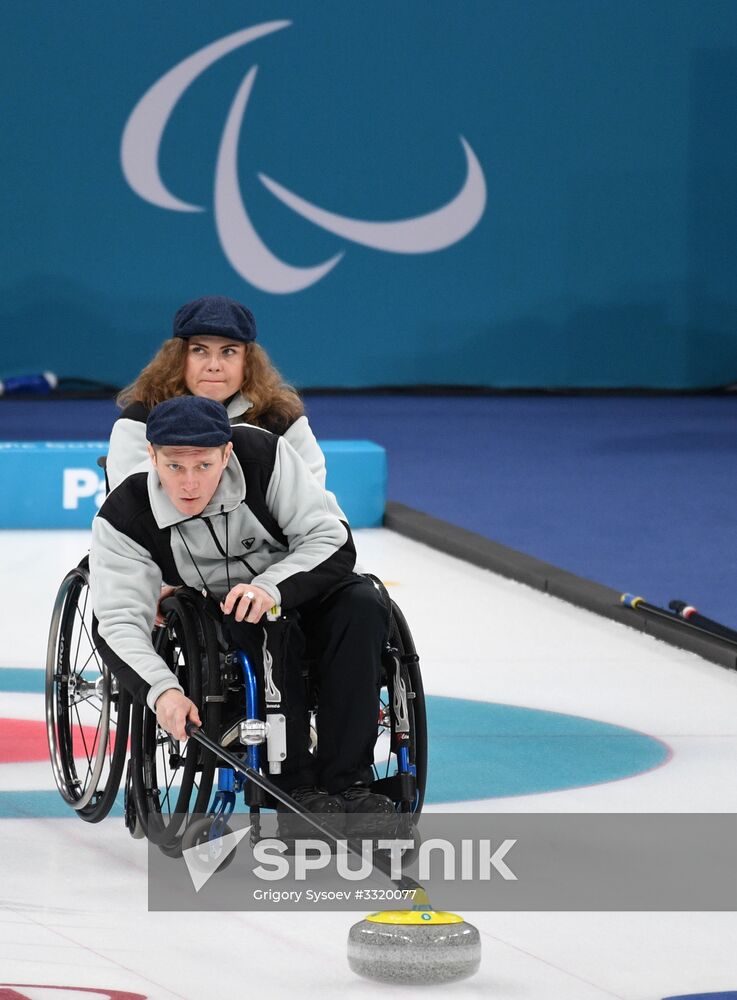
[(250, 595)]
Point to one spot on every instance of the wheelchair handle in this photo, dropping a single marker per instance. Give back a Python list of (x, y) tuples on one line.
[(381, 864)]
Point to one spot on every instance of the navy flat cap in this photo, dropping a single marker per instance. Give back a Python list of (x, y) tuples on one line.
[(215, 316), (189, 421)]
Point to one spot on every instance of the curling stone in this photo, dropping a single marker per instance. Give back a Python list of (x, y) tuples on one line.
[(419, 946)]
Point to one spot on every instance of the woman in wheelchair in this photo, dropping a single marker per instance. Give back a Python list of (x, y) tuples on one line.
[(211, 353), (234, 513)]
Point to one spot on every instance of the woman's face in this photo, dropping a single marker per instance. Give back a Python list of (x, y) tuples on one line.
[(215, 367)]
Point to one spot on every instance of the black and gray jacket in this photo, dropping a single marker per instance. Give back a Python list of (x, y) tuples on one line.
[(127, 452), (269, 523)]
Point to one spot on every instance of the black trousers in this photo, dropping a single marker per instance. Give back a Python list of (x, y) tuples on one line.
[(344, 634)]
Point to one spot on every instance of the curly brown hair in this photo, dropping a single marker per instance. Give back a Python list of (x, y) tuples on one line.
[(274, 404)]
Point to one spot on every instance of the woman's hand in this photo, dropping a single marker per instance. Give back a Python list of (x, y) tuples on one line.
[(172, 710), (247, 603)]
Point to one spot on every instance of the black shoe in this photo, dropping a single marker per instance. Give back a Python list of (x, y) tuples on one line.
[(292, 826), (360, 799), (314, 800)]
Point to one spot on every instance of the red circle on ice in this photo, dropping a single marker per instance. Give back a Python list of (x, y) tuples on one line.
[(24, 740)]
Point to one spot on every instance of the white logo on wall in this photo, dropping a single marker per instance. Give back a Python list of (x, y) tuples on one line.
[(242, 245), (81, 484)]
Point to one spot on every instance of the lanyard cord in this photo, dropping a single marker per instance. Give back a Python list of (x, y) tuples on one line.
[(225, 552), (227, 557), (189, 553), (227, 561)]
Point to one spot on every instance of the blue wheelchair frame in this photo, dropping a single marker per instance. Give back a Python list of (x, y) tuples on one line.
[(230, 782)]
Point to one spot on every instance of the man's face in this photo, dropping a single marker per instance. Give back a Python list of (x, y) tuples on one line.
[(190, 476)]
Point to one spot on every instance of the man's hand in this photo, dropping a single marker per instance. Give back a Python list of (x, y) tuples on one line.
[(166, 591), (250, 603), (172, 711)]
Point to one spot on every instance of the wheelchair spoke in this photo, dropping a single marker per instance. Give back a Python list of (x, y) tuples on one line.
[(81, 731), (89, 755), (86, 699), (93, 649), (80, 615), (168, 782), (167, 801), (82, 669)]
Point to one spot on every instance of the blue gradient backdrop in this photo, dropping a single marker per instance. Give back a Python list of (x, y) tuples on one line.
[(605, 256)]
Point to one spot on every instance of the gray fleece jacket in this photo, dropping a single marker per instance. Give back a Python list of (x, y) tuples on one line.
[(269, 523)]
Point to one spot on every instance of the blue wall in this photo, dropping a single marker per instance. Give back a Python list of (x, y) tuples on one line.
[(605, 255)]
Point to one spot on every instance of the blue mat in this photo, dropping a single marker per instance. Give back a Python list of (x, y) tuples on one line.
[(729, 995), (637, 493)]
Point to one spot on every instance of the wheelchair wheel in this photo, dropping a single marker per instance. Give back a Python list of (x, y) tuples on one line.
[(208, 843), (172, 780), (87, 715), (402, 721)]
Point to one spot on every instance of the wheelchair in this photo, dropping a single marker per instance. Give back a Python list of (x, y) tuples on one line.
[(169, 785)]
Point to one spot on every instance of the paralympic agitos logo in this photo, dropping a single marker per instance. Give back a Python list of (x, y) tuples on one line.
[(242, 245)]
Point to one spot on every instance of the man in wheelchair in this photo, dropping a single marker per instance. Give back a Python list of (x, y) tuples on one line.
[(234, 513)]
